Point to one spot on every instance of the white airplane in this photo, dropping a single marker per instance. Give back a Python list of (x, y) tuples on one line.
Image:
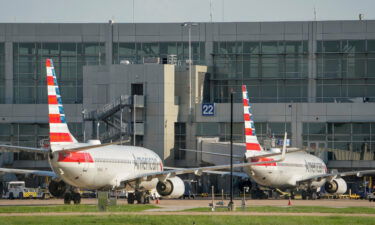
[(299, 170), (99, 166)]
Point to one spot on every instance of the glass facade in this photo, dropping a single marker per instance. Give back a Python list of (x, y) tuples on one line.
[(29, 75), (2, 73), (31, 135), (345, 70), (136, 52), (274, 71), (352, 137), (180, 140)]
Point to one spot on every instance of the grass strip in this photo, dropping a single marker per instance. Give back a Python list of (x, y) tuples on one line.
[(294, 209), (182, 220), (73, 208)]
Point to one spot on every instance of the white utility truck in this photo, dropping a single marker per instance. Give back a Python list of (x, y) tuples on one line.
[(17, 189)]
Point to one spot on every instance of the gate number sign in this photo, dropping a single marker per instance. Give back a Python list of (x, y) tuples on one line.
[(208, 109)]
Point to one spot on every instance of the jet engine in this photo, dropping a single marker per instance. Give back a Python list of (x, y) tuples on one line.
[(172, 188), (57, 188), (336, 186)]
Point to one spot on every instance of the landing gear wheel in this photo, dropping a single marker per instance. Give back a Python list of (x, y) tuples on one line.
[(131, 198), (67, 198), (147, 199), (76, 198), (313, 195), (140, 196)]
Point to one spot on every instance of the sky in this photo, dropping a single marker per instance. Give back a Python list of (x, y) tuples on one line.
[(124, 11)]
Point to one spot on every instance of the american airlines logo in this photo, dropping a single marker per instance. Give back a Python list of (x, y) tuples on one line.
[(313, 167), (145, 163)]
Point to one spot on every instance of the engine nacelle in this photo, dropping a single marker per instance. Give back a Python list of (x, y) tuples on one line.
[(57, 188), (336, 186), (172, 188)]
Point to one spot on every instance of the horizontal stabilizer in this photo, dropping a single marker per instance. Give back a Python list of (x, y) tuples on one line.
[(12, 148), (42, 173)]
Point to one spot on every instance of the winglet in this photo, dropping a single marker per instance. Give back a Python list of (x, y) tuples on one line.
[(284, 147)]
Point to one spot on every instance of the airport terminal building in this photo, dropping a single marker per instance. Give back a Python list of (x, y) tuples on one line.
[(313, 79)]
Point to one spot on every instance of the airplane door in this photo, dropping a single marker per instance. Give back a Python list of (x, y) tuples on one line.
[(86, 163)]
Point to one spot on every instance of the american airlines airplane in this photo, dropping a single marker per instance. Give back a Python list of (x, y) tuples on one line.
[(299, 170), (97, 166)]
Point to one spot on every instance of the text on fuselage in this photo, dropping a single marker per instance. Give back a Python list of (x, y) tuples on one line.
[(145, 163)]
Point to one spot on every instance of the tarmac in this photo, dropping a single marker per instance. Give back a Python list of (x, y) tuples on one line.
[(175, 205)]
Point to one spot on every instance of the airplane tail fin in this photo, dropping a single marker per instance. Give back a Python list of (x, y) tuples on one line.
[(60, 136), (252, 145)]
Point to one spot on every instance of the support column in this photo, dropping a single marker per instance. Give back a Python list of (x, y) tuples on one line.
[(109, 42), (209, 49), (312, 72), (8, 72)]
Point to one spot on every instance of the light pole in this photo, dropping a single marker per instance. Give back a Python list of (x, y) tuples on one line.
[(111, 22), (83, 125), (189, 25), (97, 129), (231, 204), (134, 120)]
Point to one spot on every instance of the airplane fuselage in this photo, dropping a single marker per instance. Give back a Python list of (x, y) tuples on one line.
[(296, 166), (104, 167)]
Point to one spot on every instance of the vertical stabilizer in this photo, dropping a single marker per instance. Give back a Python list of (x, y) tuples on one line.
[(59, 134), (252, 145)]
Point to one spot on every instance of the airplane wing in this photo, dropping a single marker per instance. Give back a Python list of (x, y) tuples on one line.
[(11, 148), (333, 175), (236, 174), (42, 173), (289, 150), (210, 153), (163, 175), (87, 147)]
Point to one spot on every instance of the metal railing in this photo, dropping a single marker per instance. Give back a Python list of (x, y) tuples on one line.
[(109, 109)]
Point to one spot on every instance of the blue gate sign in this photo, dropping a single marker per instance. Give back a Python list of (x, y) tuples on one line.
[(208, 109)]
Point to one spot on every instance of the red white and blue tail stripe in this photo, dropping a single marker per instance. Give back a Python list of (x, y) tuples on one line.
[(59, 135), (252, 144)]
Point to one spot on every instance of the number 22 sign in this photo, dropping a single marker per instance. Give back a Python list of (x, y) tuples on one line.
[(208, 109)]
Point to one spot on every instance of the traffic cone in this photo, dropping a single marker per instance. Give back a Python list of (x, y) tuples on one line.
[(157, 201), (289, 202)]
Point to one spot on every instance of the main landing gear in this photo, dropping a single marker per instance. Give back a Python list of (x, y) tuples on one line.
[(309, 194), (72, 196), (142, 197)]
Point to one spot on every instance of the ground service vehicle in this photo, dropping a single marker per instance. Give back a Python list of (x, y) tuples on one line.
[(371, 197), (17, 189)]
